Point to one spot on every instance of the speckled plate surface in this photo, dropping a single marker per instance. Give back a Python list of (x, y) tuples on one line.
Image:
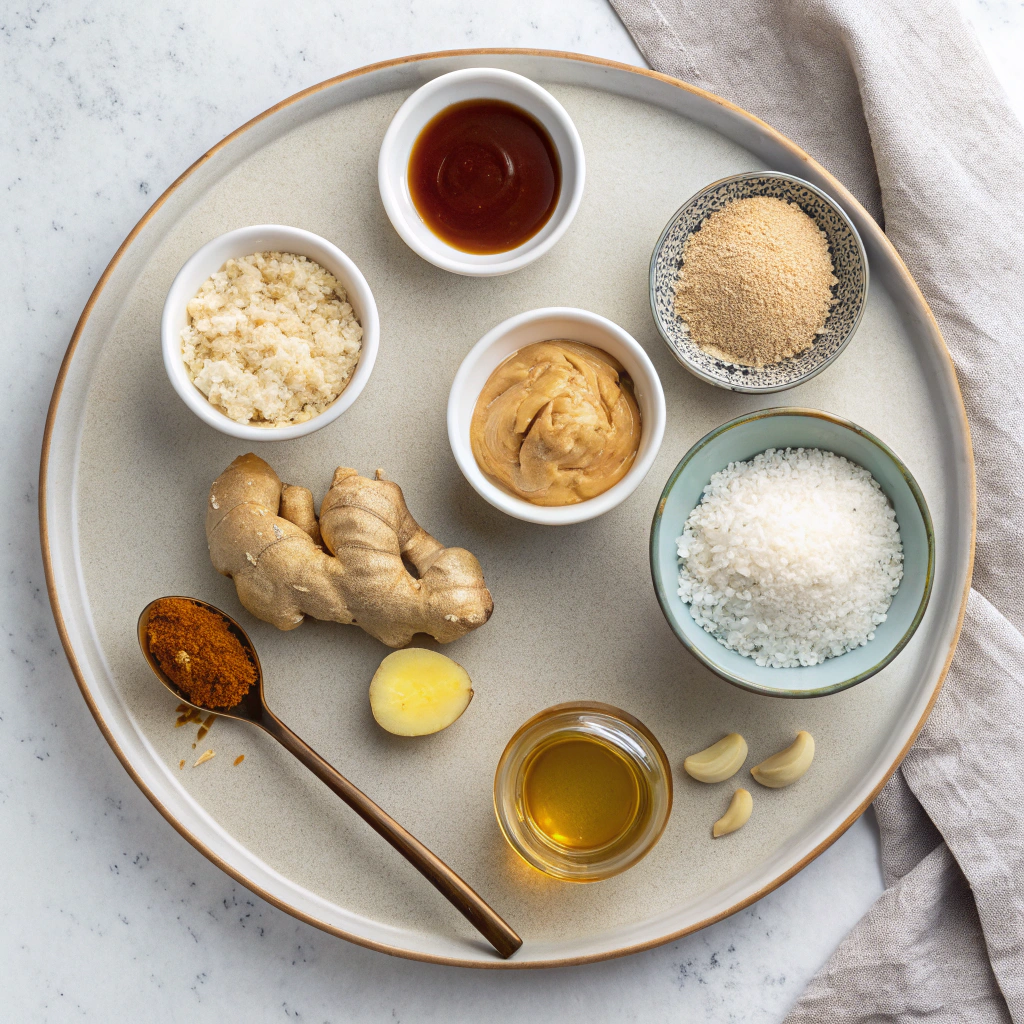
[(126, 469)]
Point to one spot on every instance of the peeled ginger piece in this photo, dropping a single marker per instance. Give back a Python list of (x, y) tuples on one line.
[(416, 692)]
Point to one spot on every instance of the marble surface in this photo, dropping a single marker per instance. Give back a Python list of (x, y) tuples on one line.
[(107, 913)]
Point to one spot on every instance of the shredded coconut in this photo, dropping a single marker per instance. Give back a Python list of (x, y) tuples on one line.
[(271, 339), (791, 558)]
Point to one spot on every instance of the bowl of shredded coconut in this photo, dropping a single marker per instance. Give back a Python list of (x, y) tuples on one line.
[(269, 332), (792, 553)]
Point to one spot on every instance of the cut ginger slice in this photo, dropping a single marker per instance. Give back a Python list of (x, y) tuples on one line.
[(416, 692)]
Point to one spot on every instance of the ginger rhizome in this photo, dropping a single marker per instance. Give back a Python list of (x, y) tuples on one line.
[(346, 567)]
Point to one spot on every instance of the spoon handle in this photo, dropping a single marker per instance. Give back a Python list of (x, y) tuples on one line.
[(448, 883)]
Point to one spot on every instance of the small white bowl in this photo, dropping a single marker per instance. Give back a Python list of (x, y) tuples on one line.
[(244, 242), (556, 323), (412, 118)]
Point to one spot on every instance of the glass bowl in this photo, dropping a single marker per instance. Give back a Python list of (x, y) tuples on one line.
[(620, 735)]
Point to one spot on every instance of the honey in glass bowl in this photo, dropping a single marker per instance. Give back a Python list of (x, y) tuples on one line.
[(583, 791)]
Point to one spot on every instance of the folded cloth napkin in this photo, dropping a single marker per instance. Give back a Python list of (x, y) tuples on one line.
[(898, 101)]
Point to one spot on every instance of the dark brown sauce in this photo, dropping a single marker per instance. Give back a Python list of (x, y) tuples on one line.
[(484, 176)]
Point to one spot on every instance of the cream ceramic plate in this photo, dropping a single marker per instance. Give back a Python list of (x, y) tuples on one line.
[(126, 469)]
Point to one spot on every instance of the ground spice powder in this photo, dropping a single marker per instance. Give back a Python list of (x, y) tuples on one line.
[(198, 652), (756, 282)]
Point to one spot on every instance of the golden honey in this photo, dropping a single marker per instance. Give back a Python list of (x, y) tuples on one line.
[(582, 791)]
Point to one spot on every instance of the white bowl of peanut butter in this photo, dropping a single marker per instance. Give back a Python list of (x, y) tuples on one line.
[(556, 416)]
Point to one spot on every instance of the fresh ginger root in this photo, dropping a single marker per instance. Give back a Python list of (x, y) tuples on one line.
[(265, 535), (416, 692)]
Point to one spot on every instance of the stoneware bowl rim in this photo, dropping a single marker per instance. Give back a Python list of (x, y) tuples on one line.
[(818, 367), (661, 586), (456, 87), (208, 259)]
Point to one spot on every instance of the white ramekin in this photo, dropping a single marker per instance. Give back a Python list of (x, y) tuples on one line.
[(412, 118), (546, 325), (244, 242)]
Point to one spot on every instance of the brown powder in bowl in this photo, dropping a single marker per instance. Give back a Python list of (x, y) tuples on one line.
[(756, 282)]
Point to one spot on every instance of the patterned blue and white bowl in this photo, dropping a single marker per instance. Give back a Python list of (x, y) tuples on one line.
[(849, 261)]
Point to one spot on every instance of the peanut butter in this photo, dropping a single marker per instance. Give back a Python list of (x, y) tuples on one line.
[(556, 423)]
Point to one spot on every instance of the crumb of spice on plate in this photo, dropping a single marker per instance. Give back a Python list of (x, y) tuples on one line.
[(204, 757), (238, 760), (181, 763), (755, 286), (199, 653), (187, 715), (206, 726)]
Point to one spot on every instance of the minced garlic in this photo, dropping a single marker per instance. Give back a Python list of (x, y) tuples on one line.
[(271, 339)]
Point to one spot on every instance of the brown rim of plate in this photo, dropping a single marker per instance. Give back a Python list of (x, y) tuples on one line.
[(839, 191)]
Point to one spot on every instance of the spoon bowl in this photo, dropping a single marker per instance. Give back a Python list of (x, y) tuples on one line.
[(253, 708)]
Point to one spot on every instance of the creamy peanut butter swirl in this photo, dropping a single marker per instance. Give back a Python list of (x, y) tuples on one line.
[(556, 423)]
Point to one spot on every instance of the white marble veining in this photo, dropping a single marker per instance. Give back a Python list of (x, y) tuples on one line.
[(107, 913)]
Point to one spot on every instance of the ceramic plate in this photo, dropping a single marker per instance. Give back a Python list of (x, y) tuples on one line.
[(126, 469)]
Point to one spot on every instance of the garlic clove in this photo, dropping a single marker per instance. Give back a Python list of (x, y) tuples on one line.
[(718, 762), (785, 767), (736, 816)]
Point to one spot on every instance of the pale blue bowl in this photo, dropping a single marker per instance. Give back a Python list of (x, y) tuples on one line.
[(741, 439)]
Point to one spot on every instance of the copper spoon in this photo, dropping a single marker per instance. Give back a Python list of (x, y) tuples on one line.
[(253, 708)]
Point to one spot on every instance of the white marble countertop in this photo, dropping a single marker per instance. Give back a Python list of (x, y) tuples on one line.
[(107, 913)]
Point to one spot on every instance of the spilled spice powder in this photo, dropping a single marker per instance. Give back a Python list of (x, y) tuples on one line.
[(756, 282), (190, 715), (198, 652), (206, 726)]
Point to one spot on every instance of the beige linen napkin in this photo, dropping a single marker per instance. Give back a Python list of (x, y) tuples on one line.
[(898, 101)]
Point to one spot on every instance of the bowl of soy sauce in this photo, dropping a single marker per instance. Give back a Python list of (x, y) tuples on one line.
[(481, 171)]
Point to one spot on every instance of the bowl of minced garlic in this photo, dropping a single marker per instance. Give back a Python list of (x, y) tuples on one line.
[(269, 333), (758, 282)]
